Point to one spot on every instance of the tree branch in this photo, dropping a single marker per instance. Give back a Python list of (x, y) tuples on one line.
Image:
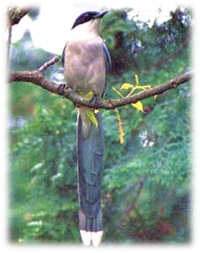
[(16, 13), (37, 77)]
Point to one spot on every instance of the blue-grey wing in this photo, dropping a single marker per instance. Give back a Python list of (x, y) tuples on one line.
[(63, 55), (108, 64), (107, 58)]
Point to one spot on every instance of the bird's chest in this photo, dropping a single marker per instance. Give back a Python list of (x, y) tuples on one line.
[(83, 52), (85, 65)]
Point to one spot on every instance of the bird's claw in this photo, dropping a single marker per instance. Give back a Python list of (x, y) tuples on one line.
[(62, 88), (95, 99)]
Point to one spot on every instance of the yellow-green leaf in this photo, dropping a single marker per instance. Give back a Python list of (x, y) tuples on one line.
[(92, 117), (89, 95), (126, 86), (138, 106)]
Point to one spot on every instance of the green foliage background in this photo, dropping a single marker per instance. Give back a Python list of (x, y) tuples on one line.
[(146, 181)]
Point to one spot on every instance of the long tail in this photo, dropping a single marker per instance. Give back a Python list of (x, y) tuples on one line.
[(90, 166)]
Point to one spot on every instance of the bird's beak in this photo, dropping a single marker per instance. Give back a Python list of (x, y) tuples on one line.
[(101, 14)]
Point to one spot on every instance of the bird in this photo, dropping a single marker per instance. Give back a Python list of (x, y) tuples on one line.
[(87, 62)]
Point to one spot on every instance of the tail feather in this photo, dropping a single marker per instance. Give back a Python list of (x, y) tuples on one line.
[(91, 229), (90, 166)]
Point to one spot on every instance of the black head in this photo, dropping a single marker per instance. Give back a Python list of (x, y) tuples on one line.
[(87, 16)]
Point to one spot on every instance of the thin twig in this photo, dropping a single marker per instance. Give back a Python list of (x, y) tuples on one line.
[(48, 64), (8, 46)]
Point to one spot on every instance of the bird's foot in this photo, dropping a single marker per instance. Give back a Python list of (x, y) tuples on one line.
[(62, 88), (95, 99)]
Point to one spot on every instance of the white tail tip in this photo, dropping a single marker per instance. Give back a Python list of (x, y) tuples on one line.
[(86, 237), (96, 238)]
